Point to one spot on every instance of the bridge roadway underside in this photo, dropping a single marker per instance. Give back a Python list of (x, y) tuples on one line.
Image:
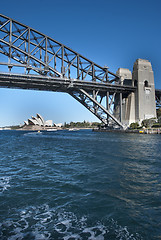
[(57, 84)]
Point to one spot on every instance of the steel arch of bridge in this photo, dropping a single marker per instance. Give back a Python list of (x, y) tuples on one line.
[(50, 65)]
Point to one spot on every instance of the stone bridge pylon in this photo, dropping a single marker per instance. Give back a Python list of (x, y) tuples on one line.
[(140, 104)]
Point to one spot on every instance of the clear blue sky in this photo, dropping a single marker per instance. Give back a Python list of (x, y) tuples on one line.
[(113, 33)]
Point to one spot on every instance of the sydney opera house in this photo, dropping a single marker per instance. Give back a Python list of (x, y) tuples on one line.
[(37, 122)]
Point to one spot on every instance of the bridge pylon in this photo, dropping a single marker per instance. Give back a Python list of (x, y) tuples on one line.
[(141, 104), (145, 105)]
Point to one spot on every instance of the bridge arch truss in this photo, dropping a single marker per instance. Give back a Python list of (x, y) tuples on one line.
[(49, 65)]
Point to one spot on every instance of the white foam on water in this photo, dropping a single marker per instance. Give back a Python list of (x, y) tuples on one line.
[(4, 183), (92, 231), (44, 223), (72, 236), (33, 134), (18, 236)]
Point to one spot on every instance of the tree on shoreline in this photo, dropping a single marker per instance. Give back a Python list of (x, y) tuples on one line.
[(84, 124)]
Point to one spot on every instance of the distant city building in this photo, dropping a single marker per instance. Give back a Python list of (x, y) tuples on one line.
[(38, 121)]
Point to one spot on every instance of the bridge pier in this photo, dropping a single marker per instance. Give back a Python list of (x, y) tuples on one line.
[(138, 105), (145, 105)]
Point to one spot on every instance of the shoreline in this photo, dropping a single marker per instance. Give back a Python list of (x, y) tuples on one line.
[(43, 129), (136, 131)]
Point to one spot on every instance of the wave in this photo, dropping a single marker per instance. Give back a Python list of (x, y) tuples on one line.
[(4, 183), (33, 134), (44, 223)]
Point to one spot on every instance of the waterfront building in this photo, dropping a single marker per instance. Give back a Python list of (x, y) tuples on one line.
[(38, 121)]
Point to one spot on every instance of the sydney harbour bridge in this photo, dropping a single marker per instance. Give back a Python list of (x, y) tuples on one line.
[(31, 60)]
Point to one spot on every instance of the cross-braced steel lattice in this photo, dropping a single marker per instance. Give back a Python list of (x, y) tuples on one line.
[(47, 64)]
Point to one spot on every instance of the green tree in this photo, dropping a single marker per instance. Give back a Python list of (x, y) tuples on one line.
[(134, 125), (148, 123)]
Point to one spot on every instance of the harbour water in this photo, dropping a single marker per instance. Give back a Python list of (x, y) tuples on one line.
[(79, 185)]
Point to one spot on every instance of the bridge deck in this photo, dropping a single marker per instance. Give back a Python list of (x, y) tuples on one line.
[(58, 84)]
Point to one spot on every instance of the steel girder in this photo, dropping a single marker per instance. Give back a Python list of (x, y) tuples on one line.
[(158, 102), (158, 98), (41, 56), (45, 56), (62, 83), (93, 102)]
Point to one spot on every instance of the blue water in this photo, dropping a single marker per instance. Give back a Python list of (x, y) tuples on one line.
[(79, 185)]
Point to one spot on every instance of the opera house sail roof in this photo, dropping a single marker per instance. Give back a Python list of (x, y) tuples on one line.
[(38, 121)]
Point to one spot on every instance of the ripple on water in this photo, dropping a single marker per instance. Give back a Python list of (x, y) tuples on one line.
[(4, 183), (87, 177), (43, 223)]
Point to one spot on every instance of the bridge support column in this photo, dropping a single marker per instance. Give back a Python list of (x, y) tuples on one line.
[(140, 104), (143, 78), (107, 106), (120, 107), (126, 103)]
